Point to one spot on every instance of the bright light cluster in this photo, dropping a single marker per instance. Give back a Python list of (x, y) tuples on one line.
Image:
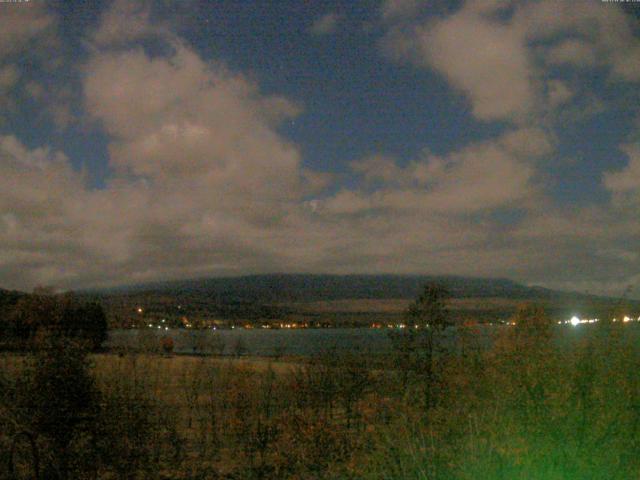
[(627, 319), (575, 321), (159, 327)]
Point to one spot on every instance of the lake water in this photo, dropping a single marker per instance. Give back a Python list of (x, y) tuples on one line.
[(261, 342), (308, 342)]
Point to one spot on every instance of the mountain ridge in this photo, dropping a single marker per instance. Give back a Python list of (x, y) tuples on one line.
[(284, 287)]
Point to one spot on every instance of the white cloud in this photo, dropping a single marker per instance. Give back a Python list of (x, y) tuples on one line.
[(178, 119), (495, 60), (572, 51), (590, 33), (528, 142), (482, 57), (326, 24), (477, 178), (558, 92)]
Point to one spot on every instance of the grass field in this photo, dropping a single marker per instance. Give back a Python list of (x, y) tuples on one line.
[(205, 417), (522, 409), (399, 305)]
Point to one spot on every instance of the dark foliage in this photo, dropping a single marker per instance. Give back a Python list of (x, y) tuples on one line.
[(415, 345), (62, 315), (57, 399)]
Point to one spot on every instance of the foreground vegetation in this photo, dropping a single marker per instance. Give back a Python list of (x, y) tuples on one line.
[(521, 408)]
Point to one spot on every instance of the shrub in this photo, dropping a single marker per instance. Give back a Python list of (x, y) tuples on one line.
[(167, 345), (57, 399), (64, 315)]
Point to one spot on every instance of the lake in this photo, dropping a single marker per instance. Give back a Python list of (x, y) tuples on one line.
[(309, 342)]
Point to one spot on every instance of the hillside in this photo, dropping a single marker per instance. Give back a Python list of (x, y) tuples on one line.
[(278, 288), (338, 300)]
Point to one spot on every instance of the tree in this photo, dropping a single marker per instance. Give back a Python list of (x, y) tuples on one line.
[(425, 319), (429, 310), (33, 312), (85, 321), (533, 325), (8, 299), (526, 363), (59, 397), (64, 315)]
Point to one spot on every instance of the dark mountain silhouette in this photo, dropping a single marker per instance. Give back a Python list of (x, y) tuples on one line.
[(308, 287)]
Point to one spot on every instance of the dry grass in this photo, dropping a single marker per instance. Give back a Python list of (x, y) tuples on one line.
[(399, 305), (174, 364)]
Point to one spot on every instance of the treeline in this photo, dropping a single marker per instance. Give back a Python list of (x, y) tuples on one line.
[(27, 318)]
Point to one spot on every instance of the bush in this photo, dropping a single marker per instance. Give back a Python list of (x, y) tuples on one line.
[(57, 399), (167, 345), (64, 315), (525, 409)]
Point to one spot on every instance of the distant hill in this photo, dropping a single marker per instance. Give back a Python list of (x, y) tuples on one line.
[(331, 299), (278, 288), (337, 299)]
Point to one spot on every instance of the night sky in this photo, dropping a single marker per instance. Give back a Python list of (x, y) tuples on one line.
[(144, 141)]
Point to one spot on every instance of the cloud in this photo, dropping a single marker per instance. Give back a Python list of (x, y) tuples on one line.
[(527, 142), (572, 51), (27, 34), (326, 24), (558, 92), (201, 177), (491, 51), (38, 192), (203, 181), (625, 184), (575, 241), (480, 177), (177, 118), (398, 9), (483, 58), (125, 22), (584, 34), (8, 77), (21, 25)]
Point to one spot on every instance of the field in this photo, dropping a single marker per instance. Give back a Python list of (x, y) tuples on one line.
[(399, 305), (204, 417), (521, 408)]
